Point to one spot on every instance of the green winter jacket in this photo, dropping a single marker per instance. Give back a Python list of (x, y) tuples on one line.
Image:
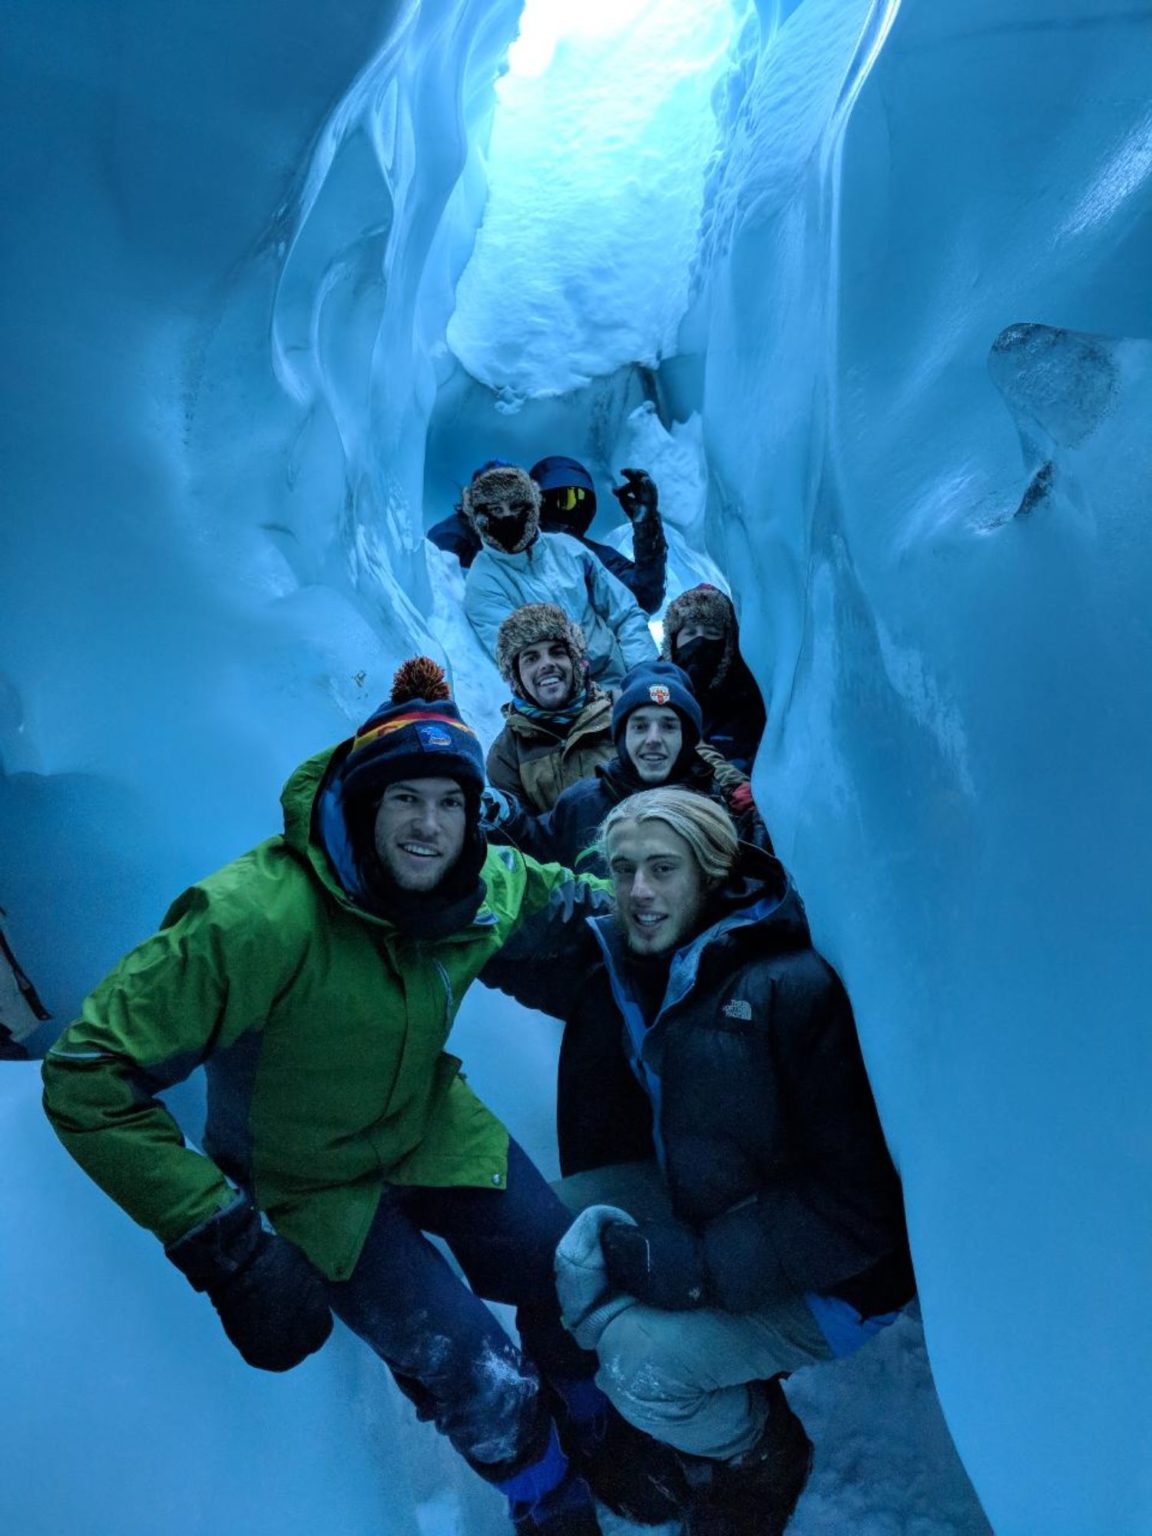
[(322, 1030)]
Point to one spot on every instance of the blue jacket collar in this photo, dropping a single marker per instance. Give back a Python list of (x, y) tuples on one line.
[(685, 968)]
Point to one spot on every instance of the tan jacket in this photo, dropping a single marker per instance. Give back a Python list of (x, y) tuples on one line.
[(535, 764)]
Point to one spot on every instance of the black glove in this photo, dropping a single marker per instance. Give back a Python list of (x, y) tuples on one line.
[(658, 1262), (637, 496), (496, 806), (271, 1299)]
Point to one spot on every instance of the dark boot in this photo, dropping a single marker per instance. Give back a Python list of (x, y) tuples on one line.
[(548, 1497), (756, 1494), (635, 1476), (566, 1510)]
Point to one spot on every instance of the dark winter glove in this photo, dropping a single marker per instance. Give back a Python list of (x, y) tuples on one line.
[(637, 496), (658, 1262), (270, 1298), (495, 809)]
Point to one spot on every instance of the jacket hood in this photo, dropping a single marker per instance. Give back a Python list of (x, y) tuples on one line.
[(298, 800), (558, 472), (703, 604), (317, 829), (757, 912), (762, 895)]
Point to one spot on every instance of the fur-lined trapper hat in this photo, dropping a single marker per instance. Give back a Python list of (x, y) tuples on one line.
[(704, 604), (530, 625), (503, 505)]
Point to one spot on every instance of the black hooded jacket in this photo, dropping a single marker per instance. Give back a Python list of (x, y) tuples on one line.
[(733, 710), (756, 1100), (566, 833)]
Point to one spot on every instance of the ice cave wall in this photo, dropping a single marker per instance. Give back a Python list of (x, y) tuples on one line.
[(921, 320), (233, 240), (927, 401)]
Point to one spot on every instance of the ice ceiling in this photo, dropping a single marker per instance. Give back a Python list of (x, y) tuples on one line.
[(897, 372)]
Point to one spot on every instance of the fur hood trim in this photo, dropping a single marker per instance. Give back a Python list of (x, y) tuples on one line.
[(503, 483), (704, 604)]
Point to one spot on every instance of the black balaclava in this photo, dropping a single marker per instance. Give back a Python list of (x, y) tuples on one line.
[(701, 659), (503, 504)]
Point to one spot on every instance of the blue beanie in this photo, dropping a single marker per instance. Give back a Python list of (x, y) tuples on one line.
[(658, 682), (555, 473), (491, 464)]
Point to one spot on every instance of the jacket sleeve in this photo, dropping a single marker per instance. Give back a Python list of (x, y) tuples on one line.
[(726, 775), (620, 611), (456, 536), (551, 946), (503, 766), (807, 1231), (615, 561), (485, 604), (650, 556), (522, 829), (165, 1008)]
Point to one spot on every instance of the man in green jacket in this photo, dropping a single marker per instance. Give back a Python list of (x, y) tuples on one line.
[(316, 979)]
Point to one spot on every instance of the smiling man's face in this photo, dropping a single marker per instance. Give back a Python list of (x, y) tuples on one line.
[(547, 673), (420, 829), (653, 737), (660, 888)]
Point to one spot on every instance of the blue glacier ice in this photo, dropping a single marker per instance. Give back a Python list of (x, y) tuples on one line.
[(884, 336)]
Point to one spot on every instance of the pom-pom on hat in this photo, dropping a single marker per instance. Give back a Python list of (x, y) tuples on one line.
[(531, 625), (660, 683), (418, 734)]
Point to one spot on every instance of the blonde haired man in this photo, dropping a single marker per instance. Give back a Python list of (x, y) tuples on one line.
[(712, 1035)]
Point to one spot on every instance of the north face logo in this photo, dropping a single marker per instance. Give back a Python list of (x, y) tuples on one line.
[(659, 694), (739, 1008)]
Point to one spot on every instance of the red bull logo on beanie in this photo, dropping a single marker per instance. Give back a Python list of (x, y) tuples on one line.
[(659, 694)]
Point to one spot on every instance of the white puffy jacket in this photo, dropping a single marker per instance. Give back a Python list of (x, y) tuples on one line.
[(556, 568)]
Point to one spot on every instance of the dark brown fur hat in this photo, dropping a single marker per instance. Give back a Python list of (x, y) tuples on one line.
[(704, 604), (531, 624), (503, 482)]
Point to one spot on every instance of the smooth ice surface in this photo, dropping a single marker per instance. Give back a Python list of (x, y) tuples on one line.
[(928, 286), (914, 384), (596, 171)]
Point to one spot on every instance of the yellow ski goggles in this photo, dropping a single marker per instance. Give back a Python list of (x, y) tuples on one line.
[(567, 497)]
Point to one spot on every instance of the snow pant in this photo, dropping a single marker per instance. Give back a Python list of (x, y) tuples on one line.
[(449, 1354), (691, 1379)]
